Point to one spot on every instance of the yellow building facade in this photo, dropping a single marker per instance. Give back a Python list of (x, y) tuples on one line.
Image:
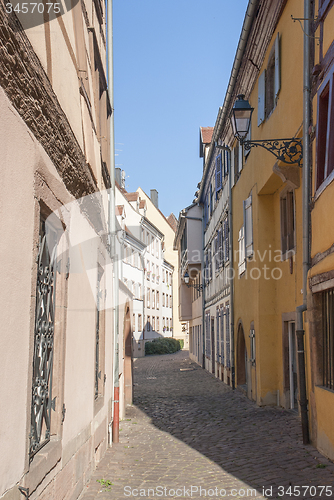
[(320, 304), (268, 278), (268, 199)]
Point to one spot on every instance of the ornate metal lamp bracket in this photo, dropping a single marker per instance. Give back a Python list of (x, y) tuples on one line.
[(199, 288), (289, 151)]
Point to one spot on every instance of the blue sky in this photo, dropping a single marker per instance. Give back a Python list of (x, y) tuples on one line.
[(172, 63)]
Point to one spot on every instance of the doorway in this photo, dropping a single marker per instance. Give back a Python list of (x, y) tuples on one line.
[(241, 359)]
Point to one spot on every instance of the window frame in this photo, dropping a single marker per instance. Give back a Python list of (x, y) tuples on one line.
[(329, 133), (274, 59), (248, 225), (286, 219), (242, 251), (328, 338)]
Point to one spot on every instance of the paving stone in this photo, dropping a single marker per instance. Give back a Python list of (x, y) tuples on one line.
[(187, 429)]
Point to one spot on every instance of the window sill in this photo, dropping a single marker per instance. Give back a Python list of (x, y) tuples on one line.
[(324, 388), (98, 404), (42, 463)]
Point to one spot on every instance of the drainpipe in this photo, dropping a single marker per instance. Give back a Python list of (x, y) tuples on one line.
[(112, 227), (306, 222)]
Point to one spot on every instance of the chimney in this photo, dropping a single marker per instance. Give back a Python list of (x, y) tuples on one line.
[(154, 198), (118, 176)]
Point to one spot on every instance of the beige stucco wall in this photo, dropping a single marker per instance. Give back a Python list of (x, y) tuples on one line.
[(18, 153), (28, 175)]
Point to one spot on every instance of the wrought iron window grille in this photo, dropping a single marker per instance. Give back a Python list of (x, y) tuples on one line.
[(41, 405)]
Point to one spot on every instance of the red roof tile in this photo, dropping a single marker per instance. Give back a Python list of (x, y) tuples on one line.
[(172, 220), (206, 133), (131, 196)]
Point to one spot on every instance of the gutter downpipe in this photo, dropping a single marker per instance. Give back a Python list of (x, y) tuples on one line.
[(306, 223), (112, 227)]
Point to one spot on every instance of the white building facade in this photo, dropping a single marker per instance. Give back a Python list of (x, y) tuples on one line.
[(158, 303), (143, 271)]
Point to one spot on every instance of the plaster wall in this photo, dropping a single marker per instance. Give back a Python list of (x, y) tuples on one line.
[(18, 153), (324, 399), (26, 167), (80, 351)]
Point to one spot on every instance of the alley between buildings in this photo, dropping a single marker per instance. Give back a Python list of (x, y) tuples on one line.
[(188, 435)]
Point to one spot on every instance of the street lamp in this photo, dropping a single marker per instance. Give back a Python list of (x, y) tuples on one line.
[(186, 278), (289, 151), (241, 117)]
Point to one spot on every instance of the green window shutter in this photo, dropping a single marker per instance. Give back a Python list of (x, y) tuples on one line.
[(261, 98), (277, 67), (218, 173)]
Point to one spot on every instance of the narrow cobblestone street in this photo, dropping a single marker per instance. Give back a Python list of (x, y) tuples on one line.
[(190, 433)]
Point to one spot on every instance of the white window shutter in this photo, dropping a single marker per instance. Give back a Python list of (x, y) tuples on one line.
[(277, 67), (248, 224), (242, 260), (261, 98), (252, 345)]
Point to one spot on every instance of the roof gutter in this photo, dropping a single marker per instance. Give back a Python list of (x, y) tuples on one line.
[(248, 21)]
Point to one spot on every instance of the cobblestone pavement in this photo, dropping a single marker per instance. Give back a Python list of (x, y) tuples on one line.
[(187, 434)]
